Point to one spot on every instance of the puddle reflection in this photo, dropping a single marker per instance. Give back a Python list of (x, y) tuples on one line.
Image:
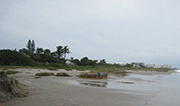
[(121, 75)]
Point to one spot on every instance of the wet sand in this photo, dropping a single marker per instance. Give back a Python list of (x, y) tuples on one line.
[(70, 91)]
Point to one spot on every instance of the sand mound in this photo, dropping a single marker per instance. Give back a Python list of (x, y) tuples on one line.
[(10, 88)]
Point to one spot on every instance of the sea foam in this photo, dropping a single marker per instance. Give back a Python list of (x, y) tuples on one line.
[(178, 72)]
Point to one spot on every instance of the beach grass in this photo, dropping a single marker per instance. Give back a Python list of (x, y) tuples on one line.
[(109, 68), (116, 68), (11, 72)]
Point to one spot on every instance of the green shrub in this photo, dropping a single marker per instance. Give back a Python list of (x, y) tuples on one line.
[(58, 65), (9, 57), (44, 74), (12, 72), (62, 74), (99, 75), (51, 68), (37, 77)]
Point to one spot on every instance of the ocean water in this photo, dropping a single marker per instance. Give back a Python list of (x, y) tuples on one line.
[(169, 91), (178, 72), (162, 90)]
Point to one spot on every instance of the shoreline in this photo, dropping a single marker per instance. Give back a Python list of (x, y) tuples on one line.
[(142, 72), (56, 91)]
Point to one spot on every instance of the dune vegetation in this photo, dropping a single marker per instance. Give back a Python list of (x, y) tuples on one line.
[(45, 59)]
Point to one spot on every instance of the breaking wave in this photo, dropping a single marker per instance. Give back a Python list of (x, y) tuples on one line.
[(178, 71)]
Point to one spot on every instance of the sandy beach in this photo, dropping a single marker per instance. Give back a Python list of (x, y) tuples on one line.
[(73, 91)]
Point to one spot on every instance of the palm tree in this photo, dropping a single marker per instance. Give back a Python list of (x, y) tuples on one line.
[(59, 51), (66, 51)]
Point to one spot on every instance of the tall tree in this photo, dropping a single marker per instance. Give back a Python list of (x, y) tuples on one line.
[(29, 45), (103, 61), (59, 51), (54, 54), (85, 61), (39, 50), (66, 51), (47, 51), (33, 46)]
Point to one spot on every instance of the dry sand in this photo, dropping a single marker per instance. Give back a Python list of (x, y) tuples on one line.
[(56, 91)]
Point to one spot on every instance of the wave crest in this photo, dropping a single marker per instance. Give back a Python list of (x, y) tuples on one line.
[(177, 71)]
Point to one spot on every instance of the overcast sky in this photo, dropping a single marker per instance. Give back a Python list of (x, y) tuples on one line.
[(116, 30)]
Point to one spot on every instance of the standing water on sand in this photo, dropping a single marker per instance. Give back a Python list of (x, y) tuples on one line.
[(163, 90)]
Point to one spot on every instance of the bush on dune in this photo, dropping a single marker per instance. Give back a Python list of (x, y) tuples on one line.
[(12, 72), (62, 74), (10, 57), (99, 75), (44, 74)]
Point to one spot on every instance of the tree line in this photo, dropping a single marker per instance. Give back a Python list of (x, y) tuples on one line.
[(31, 56), (60, 52), (85, 61)]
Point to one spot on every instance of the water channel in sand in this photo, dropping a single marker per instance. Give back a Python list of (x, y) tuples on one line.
[(164, 90)]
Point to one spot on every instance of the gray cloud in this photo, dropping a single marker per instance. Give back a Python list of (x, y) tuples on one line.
[(117, 30)]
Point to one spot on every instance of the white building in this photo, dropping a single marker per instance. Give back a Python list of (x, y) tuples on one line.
[(150, 65), (159, 66), (167, 66), (138, 64), (68, 62), (120, 63)]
